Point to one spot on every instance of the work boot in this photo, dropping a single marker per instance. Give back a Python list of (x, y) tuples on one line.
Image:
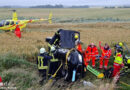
[(93, 66), (105, 67), (100, 68), (85, 69), (42, 81)]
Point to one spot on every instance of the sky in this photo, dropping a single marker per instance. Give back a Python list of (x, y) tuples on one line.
[(63, 2)]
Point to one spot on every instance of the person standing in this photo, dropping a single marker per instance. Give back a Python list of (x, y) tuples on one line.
[(90, 53), (17, 31), (118, 63), (106, 53)]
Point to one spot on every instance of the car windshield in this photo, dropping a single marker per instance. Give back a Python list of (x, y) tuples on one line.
[(2, 23)]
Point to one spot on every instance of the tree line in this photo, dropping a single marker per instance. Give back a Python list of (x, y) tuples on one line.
[(62, 6)]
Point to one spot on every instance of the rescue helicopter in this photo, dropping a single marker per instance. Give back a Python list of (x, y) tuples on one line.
[(10, 25)]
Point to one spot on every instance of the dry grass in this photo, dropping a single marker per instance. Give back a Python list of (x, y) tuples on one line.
[(34, 37), (28, 45)]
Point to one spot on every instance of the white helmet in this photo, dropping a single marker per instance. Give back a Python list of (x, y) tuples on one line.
[(42, 50), (52, 48)]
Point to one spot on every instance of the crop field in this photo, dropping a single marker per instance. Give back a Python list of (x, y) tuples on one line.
[(18, 56), (75, 15)]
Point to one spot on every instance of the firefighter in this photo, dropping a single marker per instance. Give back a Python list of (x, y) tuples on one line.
[(90, 53), (118, 63), (119, 46), (42, 62), (126, 60), (106, 53), (54, 64)]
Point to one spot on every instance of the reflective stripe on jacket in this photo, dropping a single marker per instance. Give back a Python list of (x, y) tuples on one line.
[(91, 51), (41, 63), (53, 58), (106, 52), (118, 59)]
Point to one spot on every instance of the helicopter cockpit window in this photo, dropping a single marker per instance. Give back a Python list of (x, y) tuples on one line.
[(2, 23), (7, 23), (12, 22)]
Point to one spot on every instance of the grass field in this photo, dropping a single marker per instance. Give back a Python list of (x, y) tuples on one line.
[(72, 15), (18, 56)]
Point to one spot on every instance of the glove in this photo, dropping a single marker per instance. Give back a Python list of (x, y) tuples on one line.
[(86, 51), (122, 65), (97, 56), (105, 56), (52, 48)]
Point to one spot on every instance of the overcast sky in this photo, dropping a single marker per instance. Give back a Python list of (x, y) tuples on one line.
[(63, 2)]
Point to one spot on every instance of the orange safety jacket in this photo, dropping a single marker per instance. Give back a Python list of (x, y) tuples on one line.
[(79, 48), (17, 31), (91, 51), (106, 52)]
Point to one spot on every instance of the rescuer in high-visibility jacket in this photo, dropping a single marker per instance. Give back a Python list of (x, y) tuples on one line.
[(42, 62), (118, 63), (90, 53), (106, 53)]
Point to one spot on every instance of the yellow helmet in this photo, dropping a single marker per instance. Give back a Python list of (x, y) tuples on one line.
[(120, 44), (76, 36), (128, 61)]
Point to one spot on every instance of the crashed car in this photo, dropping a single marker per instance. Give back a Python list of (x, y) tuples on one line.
[(66, 52)]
